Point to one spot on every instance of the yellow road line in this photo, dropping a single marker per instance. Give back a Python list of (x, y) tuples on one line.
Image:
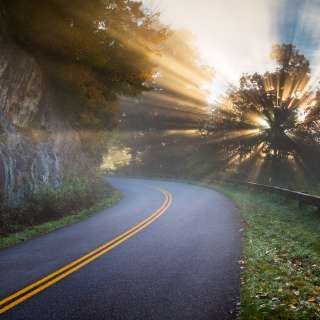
[(63, 272), (57, 272)]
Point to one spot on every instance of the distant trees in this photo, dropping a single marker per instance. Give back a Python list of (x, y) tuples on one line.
[(274, 115), (94, 50), (278, 103), (182, 75), (179, 98)]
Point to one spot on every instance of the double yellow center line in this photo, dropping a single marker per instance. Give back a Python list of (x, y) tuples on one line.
[(56, 276)]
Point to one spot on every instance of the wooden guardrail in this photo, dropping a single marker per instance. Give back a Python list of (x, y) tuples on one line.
[(301, 197)]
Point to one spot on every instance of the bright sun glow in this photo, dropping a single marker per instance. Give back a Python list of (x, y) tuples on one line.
[(262, 122), (301, 115)]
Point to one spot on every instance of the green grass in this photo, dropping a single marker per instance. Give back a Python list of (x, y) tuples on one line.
[(281, 259), (73, 217)]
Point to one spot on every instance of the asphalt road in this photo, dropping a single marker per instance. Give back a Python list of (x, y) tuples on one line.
[(180, 263)]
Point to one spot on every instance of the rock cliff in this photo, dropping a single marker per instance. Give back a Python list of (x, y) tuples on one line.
[(37, 145)]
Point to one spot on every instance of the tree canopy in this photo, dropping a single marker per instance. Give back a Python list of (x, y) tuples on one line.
[(279, 102), (275, 115), (97, 49)]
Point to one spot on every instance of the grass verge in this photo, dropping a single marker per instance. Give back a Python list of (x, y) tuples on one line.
[(281, 259), (31, 232)]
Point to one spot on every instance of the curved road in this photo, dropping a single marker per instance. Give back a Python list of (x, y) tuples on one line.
[(166, 251)]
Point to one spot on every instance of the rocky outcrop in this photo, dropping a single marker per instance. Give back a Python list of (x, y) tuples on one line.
[(37, 146)]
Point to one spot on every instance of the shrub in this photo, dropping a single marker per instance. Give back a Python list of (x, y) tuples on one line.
[(50, 203)]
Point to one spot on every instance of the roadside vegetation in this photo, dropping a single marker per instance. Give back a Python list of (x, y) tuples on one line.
[(51, 208), (281, 259)]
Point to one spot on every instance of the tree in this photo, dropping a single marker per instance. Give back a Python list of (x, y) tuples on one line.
[(95, 50), (274, 115)]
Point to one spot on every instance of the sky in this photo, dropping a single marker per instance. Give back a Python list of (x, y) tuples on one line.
[(236, 36)]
